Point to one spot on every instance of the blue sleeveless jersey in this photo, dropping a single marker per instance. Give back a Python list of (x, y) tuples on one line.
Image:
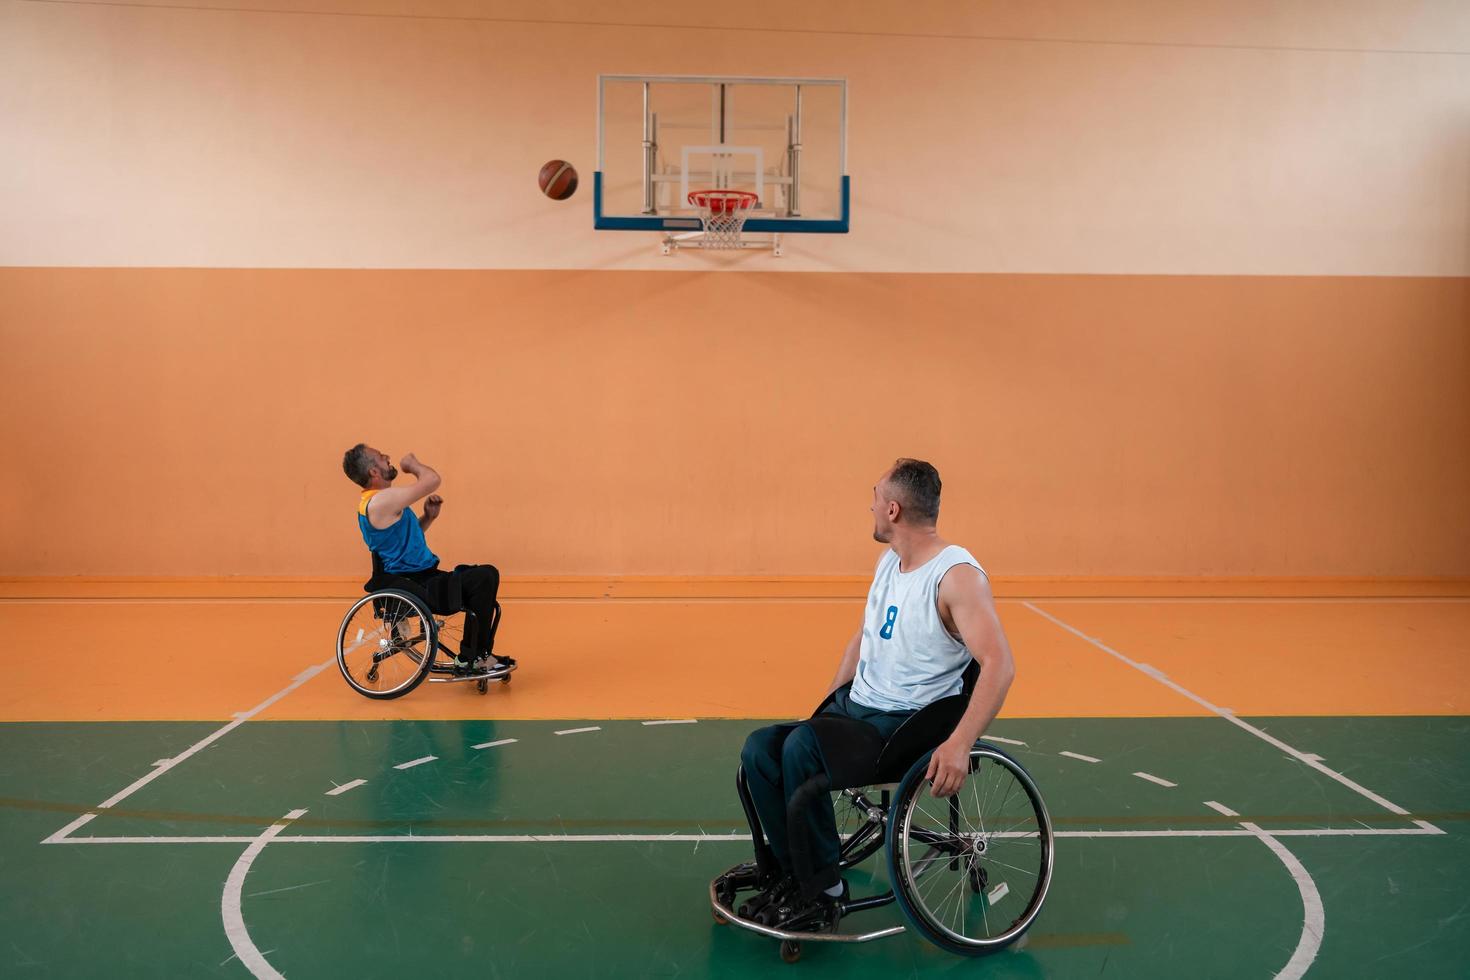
[(401, 544)]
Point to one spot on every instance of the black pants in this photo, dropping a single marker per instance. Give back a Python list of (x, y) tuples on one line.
[(777, 761), (478, 586)]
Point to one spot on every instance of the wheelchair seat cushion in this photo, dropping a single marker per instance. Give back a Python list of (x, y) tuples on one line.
[(850, 748), (928, 727), (444, 599)]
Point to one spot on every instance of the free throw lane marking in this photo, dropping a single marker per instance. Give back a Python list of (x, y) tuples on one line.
[(416, 762), (1155, 779), (1078, 755), (345, 787), (578, 731), (491, 745)]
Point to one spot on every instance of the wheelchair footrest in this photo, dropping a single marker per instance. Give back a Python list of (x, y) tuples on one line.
[(484, 674), (740, 878)]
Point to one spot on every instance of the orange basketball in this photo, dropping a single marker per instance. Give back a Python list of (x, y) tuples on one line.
[(558, 180)]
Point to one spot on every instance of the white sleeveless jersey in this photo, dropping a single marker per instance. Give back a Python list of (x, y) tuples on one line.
[(908, 659)]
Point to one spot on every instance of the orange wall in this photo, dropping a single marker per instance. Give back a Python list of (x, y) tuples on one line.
[(182, 422)]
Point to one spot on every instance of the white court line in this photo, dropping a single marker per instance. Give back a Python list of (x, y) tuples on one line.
[(1227, 715), (1078, 755), (61, 834), (1002, 741), (1155, 779), (1314, 919), (229, 903), (416, 762), (674, 721), (716, 838), (578, 731), (491, 745), (160, 768), (344, 787)]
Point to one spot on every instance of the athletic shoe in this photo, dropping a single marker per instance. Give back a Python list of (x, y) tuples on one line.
[(763, 907), (820, 914)]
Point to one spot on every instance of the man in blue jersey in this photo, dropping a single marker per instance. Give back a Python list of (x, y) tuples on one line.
[(929, 613), (393, 532)]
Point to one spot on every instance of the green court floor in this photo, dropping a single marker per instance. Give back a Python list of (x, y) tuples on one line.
[(534, 857)]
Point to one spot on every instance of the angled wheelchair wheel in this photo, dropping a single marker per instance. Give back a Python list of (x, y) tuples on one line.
[(970, 872), (386, 644)]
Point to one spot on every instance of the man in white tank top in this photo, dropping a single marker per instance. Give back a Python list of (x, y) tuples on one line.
[(929, 614)]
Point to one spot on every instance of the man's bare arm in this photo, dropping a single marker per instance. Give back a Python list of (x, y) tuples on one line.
[(847, 666), (432, 503), (965, 595), (388, 505)]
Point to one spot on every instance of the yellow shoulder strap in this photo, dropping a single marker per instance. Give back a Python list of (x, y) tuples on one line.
[(362, 504)]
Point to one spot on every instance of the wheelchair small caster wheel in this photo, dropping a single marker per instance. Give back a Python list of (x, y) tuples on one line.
[(483, 685), (505, 680), (790, 950), (720, 920), (372, 674)]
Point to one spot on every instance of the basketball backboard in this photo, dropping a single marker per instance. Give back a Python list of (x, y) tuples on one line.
[(661, 137)]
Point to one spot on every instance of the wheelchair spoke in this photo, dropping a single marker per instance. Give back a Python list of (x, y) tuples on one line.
[(366, 639), (942, 873), (380, 627), (1008, 867)]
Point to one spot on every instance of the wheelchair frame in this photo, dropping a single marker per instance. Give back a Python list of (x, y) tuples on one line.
[(886, 825), (383, 588)]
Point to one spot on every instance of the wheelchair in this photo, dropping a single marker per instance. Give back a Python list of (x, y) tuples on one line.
[(387, 643), (969, 873)]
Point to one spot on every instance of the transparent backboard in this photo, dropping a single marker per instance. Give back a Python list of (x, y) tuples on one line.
[(661, 137)]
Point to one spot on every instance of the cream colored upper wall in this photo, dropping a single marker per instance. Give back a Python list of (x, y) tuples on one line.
[(1147, 137)]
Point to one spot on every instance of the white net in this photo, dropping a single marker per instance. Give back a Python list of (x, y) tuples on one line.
[(723, 214)]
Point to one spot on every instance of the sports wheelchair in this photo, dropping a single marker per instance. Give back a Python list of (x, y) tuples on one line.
[(387, 643), (969, 872)]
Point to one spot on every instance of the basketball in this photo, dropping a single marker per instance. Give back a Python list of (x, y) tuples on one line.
[(558, 180)]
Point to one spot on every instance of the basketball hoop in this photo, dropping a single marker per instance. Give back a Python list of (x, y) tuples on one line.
[(723, 214)]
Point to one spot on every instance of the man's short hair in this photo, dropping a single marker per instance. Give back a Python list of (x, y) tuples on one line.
[(916, 486), (357, 464)]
